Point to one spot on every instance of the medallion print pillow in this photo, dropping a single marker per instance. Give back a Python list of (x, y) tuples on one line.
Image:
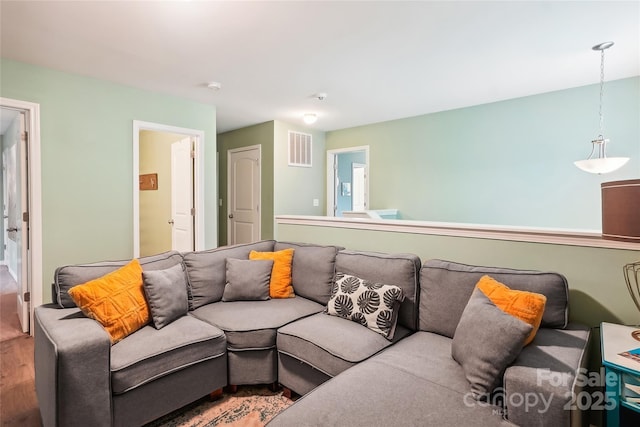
[(374, 305)]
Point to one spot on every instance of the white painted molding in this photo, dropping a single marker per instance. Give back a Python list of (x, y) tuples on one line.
[(555, 236), (35, 201)]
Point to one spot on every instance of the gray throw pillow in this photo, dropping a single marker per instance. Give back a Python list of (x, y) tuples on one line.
[(166, 292), (373, 305), (486, 341), (247, 280)]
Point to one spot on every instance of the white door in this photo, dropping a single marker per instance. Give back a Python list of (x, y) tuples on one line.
[(244, 195), (24, 281), (17, 216), (182, 196), (358, 187)]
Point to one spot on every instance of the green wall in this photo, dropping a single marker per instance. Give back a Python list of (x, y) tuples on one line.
[(296, 187), (261, 134), (285, 189), (506, 163), (87, 155), (598, 290)]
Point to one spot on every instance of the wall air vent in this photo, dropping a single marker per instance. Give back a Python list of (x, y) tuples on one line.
[(300, 148)]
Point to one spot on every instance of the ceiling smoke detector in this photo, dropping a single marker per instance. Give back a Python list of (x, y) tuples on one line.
[(215, 86), (320, 96)]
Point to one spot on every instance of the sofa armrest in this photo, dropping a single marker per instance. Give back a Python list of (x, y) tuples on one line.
[(72, 368), (541, 386)]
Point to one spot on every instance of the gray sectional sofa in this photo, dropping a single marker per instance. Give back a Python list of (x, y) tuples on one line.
[(349, 374)]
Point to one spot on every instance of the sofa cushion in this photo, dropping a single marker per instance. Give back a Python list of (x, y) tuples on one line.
[(445, 288), (312, 269), (116, 300), (153, 353), (280, 285), (428, 356), (206, 270), (331, 344), (166, 292), (373, 305), (252, 324), (68, 276), (375, 394), (401, 270), (486, 341), (247, 280)]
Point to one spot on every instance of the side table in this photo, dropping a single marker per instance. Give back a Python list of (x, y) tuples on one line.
[(622, 374)]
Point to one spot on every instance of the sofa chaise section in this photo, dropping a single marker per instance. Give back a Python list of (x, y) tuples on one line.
[(417, 382)]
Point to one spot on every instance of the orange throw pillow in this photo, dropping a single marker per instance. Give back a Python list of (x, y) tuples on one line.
[(116, 300), (280, 284), (526, 306)]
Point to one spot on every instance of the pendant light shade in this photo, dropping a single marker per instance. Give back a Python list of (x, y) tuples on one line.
[(598, 162)]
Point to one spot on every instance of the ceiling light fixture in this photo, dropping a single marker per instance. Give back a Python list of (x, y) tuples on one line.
[(600, 163), (310, 118)]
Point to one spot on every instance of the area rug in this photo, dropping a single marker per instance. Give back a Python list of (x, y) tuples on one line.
[(250, 406)]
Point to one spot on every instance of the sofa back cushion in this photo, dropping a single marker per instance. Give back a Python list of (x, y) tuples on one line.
[(206, 270), (445, 288), (402, 270), (312, 269), (67, 276)]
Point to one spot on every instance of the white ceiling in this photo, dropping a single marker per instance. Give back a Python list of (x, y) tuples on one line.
[(376, 61)]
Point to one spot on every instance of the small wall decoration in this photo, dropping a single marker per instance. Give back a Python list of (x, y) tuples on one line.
[(149, 181)]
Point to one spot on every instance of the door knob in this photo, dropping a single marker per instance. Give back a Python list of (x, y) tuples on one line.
[(171, 222), (12, 229), (230, 215)]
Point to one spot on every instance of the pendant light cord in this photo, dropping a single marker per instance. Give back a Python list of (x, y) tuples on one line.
[(601, 92)]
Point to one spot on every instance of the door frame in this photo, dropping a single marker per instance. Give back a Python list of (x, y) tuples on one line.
[(34, 200), (237, 150), (198, 181), (331, 170)]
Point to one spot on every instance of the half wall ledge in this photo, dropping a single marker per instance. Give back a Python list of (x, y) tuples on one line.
[(555, 236)]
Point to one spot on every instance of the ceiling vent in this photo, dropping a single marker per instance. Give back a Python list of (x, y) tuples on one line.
[(300, 148)]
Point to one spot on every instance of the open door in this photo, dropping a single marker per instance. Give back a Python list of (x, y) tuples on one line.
[(17, 211), (182, 196)]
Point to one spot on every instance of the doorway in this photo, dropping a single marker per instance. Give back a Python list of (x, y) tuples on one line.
[(21, 238), (244, 193), (168, 189), (347, 180)]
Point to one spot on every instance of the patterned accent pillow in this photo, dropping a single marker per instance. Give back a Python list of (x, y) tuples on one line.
[(374, 305), (116, 300)]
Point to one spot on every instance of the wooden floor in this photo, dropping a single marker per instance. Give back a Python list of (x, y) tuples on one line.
[(18, 404)]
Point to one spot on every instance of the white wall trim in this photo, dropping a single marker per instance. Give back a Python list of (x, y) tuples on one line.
[(198, 181), (556, 236), (35, 201)]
